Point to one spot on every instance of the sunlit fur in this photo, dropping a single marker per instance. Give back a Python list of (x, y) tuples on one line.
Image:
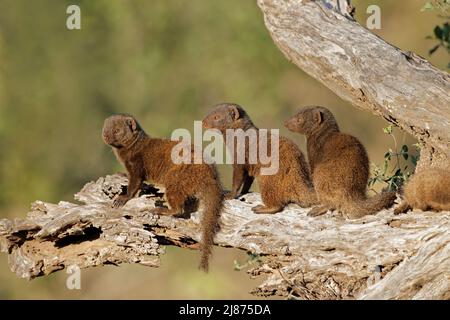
[(428, 189), (149, 159), (339, 165), (292, 182)]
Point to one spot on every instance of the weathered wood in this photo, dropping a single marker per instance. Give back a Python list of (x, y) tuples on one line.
[(321, 38), (375, 257), (303, 257)]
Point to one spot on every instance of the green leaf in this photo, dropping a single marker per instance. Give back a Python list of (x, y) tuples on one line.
[(438, 32), (446, 31), (385, 167), (388, 129), (405, 152), (405, 148), (390, 185), (433, 50), (427, 6), (237, 265)]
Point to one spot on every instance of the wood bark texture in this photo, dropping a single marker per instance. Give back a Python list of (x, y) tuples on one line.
[(376, 257)]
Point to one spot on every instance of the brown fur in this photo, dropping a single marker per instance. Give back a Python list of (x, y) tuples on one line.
[(427, 190), (292, 182), (339, 165), (147, 158)]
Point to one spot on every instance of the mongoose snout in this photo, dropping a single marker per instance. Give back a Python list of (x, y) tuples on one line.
[(222, 117), (295, 124), (310, 119)]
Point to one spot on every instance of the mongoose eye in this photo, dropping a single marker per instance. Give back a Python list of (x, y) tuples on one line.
[(216, 117)]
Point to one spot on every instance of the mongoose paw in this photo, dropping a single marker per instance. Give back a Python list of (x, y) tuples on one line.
[(261, 209), (402, 208), (230, 196), (119, 201), (317, 211), (164, 211)]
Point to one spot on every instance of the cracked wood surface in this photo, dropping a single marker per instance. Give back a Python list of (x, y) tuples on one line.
[(322, 39), (381, 256)]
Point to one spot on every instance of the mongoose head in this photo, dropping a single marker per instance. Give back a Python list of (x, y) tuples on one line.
[(120, 130), (309, 120), (225, 116)]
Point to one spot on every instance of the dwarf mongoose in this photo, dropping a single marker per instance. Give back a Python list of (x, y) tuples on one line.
[(427, 190), (290, 184), (147, 158), (339, 165)]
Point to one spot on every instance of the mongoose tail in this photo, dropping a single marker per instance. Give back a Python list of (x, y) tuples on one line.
[(369, 206), (212, 206)]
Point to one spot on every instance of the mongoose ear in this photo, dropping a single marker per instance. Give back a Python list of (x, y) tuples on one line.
[(132, 124), (318, 116), (234, 111)]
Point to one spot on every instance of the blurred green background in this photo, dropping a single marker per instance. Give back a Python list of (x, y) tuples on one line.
[(166, 62)]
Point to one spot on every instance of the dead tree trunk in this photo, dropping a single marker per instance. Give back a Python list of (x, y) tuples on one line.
[(321, 38), (382, 256)]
